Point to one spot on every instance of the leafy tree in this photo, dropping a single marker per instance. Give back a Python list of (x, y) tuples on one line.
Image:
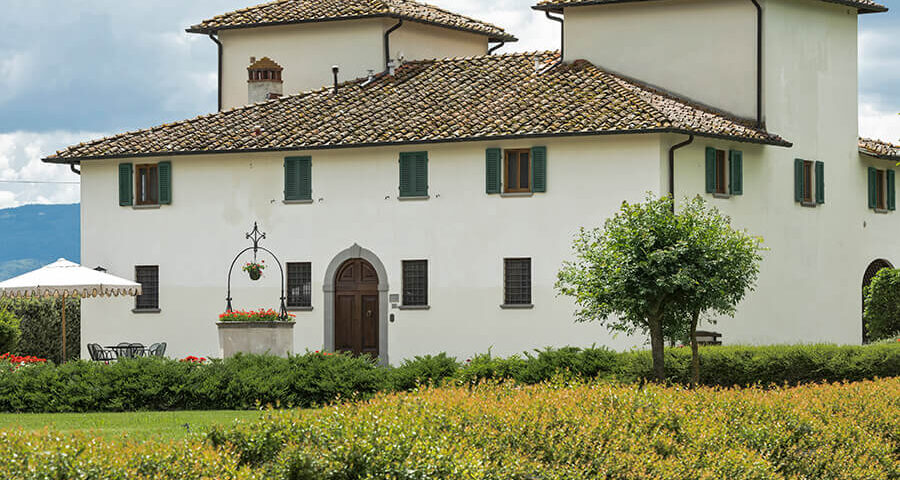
[(882, 305), (9, 331), (41, 326), (652, 270)]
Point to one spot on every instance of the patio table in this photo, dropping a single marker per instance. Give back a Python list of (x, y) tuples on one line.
[(123, 351)]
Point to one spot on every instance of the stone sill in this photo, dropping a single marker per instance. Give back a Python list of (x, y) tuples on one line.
[(517, 195), (146, 310), (146, 207), (299, 309), (414, 307), (412, 199), (297, 202), (527, 306)]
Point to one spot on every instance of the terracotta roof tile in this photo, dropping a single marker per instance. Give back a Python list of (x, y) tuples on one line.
[(864, 6), (282, 12), (431, 101), (879, 149)]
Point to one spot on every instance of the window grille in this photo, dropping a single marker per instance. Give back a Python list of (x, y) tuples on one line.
[(517, 281), (299, 284), (415, 282)]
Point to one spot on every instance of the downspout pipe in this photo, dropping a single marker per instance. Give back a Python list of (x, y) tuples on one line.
[(496, 47), (387, 44), (75, 170), (759, 63), (683, 144), (562, 40), (212, 36)]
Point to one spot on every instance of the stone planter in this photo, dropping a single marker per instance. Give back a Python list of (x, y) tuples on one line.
[(274, 338)]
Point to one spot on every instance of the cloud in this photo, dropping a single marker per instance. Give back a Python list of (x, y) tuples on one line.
[(875, 122), (20, 160)]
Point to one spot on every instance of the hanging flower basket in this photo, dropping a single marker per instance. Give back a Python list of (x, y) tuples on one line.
[(255, 269)]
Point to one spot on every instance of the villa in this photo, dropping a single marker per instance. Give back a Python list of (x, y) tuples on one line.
[(422, 191)]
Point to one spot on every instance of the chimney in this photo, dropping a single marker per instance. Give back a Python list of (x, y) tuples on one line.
[(265, 80)]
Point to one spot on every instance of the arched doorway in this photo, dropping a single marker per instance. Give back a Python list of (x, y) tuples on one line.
[(356, 308), (871, 271), (340, 279)]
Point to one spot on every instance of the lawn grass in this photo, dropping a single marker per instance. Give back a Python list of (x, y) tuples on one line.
[(136, 426)]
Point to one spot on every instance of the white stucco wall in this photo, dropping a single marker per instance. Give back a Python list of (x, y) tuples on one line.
[(308, 51), (811, 279), (416, 41), (702, 49), (464, 234)]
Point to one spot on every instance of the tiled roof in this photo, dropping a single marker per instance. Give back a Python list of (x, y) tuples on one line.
[(864, 6), (433, 101), (281, 12), (879, 149)]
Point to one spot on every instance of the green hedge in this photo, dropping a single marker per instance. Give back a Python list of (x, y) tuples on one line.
[(41, 327), (316, 379)]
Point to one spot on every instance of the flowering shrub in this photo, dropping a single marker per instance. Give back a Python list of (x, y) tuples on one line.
[(582, 432), (17, 361), (261, 315), (193, 359)]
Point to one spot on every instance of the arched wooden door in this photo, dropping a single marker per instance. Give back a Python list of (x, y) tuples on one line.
[(356, 308), (871, 271)]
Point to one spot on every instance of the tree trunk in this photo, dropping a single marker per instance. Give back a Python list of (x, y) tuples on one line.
[(695, 351), (657, 348)]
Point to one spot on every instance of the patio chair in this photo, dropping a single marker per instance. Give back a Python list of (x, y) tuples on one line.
[(137, 350), (99, 354), (157, 350), (123, 350)]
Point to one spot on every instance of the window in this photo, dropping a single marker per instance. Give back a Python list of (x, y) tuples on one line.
[(146, 187), (809, 182), (298, 179), (724, 172), (299, 285), (517, 281), (414, 175), (882, 196), (148, 277), (149, 184), (415, 283), (517, 169)]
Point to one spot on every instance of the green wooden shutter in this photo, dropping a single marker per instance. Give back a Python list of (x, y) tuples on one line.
[(820, 182), (165, 183), (493, 161), (873, 194), (891, 193), (304, 177), (710, 170), (539, 169), (297, 178), (291, 178), (798, 180), (406, 169), (736, 169), (420, 176), (126, 184)]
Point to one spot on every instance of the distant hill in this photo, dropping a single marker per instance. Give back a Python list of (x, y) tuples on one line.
[(32, 236)]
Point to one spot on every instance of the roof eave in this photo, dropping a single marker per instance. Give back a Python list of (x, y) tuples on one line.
[(772, 142), (880, 156), (508, 38), (861, 9)]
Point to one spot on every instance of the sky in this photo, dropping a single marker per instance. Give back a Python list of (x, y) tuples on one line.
[(75, 70)]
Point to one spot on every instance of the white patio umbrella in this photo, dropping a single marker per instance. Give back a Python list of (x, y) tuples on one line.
[(63, 278)]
